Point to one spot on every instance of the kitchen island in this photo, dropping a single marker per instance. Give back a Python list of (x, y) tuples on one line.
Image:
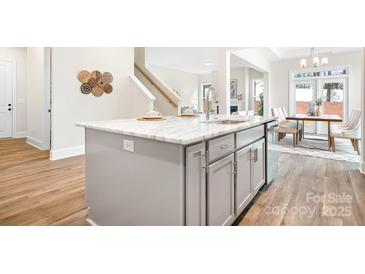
[(177, 171)]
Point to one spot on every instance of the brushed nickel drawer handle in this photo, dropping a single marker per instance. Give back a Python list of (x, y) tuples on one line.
[(225, 146)]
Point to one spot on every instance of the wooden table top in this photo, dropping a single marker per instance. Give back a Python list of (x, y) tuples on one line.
[(324, 118)]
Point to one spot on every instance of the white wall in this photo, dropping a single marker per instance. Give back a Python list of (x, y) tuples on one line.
[(279, 78), (362, 163), (20, 57), (185, 83), (255, 57), (37, 94), (166, 106), (244, 83), (260, 60), (70, 106)]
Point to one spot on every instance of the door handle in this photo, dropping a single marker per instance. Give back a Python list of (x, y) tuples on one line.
[(256, 155), (203, 161)]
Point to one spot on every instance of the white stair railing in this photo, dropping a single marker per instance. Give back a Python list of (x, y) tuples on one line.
[(146, 93)]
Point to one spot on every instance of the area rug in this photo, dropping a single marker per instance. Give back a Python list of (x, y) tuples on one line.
[(318, 148)]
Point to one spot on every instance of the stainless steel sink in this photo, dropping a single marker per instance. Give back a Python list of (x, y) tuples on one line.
[(230, 122)]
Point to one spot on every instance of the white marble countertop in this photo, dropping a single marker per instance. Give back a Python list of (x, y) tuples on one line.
[(176, 130)]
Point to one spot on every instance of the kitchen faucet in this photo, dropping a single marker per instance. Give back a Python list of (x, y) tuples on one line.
[(210, 92)]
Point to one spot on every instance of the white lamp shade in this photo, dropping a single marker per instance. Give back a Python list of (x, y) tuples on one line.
[(315, 62), (325, 61), (303, 63)]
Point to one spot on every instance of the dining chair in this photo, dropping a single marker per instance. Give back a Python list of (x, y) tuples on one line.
[(292, 123), (350, 130), (285, 127), (347, 123)]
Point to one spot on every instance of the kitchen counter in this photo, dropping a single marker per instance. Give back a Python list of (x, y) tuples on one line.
[(177, 130), (178, 171)]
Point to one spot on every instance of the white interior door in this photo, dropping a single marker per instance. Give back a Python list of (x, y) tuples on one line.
[(6, 94)]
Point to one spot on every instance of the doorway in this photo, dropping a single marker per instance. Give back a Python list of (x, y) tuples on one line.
[(328, 85), (304, 93), (7, 88)]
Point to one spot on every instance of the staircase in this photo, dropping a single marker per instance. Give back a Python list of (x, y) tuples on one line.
[(167, 101)]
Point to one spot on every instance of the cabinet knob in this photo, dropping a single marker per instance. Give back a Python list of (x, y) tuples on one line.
[(9, 105), (9, 109)]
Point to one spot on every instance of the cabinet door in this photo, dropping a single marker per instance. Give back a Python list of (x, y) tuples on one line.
[(196, 185), (243, 178), (258, 165), (221, 192)]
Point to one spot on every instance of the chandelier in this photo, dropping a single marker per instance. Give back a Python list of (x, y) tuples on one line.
[(315, 60)]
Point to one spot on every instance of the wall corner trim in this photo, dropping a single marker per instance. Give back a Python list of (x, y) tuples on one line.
[(35, 143), (91, 222), (20, 134), (57, 154), (362, 167)]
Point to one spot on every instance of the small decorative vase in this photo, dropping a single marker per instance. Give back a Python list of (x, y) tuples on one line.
[(318, 111)]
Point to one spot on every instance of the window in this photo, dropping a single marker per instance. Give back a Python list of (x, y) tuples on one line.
[(258, 93), (322, 73), (205, 88), (258, 89)]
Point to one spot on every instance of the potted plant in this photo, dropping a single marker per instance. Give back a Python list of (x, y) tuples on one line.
[(318, 103), (260, 106)]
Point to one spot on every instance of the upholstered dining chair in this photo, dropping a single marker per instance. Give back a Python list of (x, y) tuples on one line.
[(286, 127), (292, 123), (344, 125), (349, 130)]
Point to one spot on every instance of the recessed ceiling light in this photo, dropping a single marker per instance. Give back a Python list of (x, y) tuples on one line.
[(208, 62)]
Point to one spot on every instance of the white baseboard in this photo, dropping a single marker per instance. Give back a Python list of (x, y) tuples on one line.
[(20, 134), (57, 154), (362, 167), (91, 222), (35, 142)]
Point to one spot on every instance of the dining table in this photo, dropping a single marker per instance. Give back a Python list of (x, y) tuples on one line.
[(327, 118)]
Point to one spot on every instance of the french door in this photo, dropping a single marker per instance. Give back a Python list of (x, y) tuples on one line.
[(333, 92), (305, 91)]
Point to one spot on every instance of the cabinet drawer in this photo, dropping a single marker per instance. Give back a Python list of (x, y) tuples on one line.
[(245, 137), (220, 146)]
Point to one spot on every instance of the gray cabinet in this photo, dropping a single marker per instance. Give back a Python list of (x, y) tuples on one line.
[(243, 193), (258, 178), (196, 185), (220, 192), (217, 193), (250, 173)]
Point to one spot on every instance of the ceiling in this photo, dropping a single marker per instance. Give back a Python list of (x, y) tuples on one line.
[(191, 59), (298, 52), (186, 59)]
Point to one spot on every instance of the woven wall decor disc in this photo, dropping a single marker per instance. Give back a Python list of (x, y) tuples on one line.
[(96, 74), (97, 91), (101, 83), (86, 88), (107, 77), (108, 88), (84, 76), (93, 82)]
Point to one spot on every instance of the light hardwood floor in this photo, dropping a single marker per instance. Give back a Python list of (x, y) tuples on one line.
[(310, 191), (37, 191)]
